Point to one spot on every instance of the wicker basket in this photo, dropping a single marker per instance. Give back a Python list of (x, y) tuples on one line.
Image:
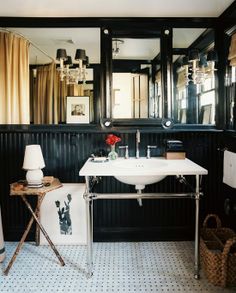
[(218, 253)]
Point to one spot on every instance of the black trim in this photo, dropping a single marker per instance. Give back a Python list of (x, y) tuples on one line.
[(154, 127), (143, 234), (229, 12), (137, 27), (136, 23)]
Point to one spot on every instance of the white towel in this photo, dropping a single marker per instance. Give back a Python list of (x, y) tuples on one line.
[(229, 175)]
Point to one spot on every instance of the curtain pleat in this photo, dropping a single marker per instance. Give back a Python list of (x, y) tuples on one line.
[(14, 79), (43, 95), (49, 96)]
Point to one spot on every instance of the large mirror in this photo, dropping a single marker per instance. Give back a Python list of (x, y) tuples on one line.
[(145, 81), (136, 86), (52, 80), (138, 91), (194, 75)]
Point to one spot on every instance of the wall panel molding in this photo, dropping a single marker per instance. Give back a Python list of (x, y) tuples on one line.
[(66, 152)]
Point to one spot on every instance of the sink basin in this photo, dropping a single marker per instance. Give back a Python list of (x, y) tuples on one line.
[(141, 171)]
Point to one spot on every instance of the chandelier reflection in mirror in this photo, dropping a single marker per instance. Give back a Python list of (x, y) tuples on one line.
[(72, 75), (116, 47), (199, 67)]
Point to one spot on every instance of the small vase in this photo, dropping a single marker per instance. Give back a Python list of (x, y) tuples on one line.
[(113, 154)]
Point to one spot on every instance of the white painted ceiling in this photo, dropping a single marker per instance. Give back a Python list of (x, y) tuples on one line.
[(115, 8), (49, 40), (139, 49)]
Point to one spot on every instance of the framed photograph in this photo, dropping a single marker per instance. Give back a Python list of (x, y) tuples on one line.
[(63, 215), (77, 110)]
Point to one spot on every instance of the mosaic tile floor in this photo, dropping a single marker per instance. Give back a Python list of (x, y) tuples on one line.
[(118, 267)]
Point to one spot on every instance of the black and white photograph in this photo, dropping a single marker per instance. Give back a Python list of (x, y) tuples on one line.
[(78, 110)]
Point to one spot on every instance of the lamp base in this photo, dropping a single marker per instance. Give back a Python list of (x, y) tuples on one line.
[(35, 185), (34, 178)]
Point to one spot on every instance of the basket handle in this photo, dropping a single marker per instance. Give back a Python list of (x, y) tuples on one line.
[(217, 219), (225, 254)]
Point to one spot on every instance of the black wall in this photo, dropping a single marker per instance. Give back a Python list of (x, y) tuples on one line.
[(65, 151)]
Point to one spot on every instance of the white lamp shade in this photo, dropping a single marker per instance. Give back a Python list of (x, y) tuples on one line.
[(33, 159)]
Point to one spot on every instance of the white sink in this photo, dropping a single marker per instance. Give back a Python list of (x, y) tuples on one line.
[(137, 168), (142, 171)]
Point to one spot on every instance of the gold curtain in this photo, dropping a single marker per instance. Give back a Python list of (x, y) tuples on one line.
[(232, 51), (49, 95), (46, 95), (43, 96), (14, 79)]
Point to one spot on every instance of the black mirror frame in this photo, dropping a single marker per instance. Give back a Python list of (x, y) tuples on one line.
[(220, 24)]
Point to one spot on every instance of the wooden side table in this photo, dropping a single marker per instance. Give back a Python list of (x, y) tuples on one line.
[(40, 193)]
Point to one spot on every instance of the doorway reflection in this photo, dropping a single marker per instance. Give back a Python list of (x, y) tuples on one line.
[(136, 83)]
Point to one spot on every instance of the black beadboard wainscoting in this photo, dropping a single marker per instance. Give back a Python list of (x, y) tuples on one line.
[(65, 151)]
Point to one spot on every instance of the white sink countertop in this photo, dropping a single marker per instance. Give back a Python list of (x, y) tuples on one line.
[(141, 167)]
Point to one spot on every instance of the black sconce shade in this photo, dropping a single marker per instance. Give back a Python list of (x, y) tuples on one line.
[(212, 56), (80, 55), (86, 62), (68, 61), (193, 55), (203, 61), (185, 60), (61, 54)]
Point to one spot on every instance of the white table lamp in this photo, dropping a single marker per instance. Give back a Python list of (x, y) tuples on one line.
[(33, 163)]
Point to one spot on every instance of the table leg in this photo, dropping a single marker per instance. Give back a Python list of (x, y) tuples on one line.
[(37, 213), (6, 271), (89, 216), (43, 231), (196, 254)]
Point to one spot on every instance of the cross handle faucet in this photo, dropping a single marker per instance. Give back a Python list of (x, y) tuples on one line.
[(126, 147), (149, 147)]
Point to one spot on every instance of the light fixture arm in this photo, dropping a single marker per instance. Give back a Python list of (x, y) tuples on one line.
[(196, 65), (73, 75)]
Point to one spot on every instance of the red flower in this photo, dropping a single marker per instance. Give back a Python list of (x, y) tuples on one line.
[(112, 139)]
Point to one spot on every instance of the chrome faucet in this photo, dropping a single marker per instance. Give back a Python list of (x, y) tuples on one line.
[(137, 143), (149, 147), (126, 150)]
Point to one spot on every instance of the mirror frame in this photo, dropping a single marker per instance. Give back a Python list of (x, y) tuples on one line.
[(128, 26), (137, 29)]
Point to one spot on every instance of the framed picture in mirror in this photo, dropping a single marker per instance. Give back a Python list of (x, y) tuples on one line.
[(78, 110)]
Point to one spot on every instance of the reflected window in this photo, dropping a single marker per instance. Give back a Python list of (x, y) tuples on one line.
[(157, 103), (182, 105), (206, 96), (230, 83), (194, 75)]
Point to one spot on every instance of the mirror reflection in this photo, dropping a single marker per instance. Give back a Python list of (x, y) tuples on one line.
[(194, 76), (137, 82), (49, 83), (136, 87)]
